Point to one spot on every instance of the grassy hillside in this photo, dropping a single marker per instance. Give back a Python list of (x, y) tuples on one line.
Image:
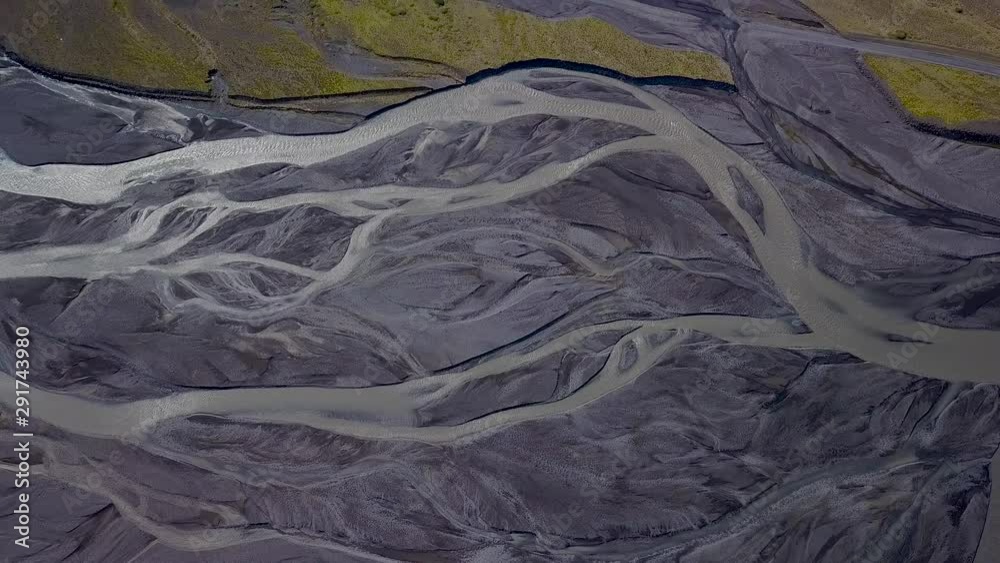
[(939, 93), (971, 25), (271, 50), (106, 39), (145, 43), (470, 35)]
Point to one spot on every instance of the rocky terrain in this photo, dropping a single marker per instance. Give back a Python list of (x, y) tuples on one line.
[(547, 315)]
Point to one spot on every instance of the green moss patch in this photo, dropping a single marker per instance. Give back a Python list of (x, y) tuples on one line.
[(940, 93), (470, 36), (287, 66), (105, 40), (971, 25), (269, 54)]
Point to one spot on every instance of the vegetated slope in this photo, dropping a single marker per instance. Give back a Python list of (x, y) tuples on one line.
[(470, 36), (939, 93), (971, 25), (308, 48), (168, 45), (109, 39)]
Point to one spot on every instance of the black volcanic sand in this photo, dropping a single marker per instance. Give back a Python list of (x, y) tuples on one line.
[(420, 359)]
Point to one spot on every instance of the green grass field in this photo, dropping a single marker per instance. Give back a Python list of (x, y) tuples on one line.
[(470, 35), (971, 25), (105, 41), (267, 54), (288, 67), (939, 93)]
